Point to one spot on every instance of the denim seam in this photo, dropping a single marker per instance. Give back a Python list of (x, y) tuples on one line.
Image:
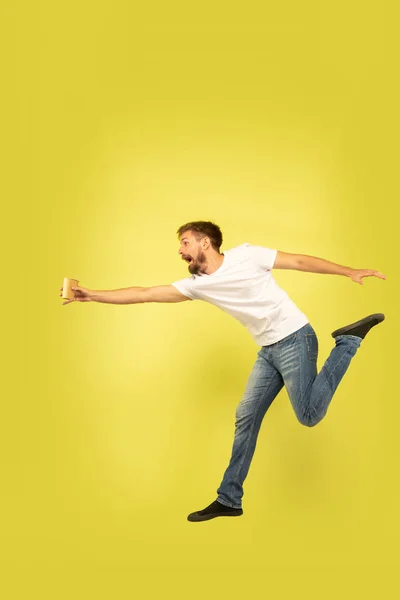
[(330, 375), (309, 387), (310, 354)]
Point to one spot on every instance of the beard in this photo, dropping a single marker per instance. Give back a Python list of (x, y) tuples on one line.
[(198, 265)]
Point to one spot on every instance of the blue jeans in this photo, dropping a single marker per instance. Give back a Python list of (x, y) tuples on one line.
[(291, 362)]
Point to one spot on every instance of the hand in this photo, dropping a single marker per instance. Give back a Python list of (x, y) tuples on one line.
[(81, 295), (356, 275)]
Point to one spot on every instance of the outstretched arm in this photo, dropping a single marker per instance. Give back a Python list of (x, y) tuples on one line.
[(131, 295), (136, 295), (312, 264)]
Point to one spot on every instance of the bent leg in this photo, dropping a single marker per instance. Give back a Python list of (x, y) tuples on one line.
[(310, 392), (263, 385)]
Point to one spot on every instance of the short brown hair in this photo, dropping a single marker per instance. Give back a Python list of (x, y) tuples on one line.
[(202, 229)]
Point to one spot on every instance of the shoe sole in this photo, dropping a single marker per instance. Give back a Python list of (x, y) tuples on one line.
[(212, 516), (377, 317)]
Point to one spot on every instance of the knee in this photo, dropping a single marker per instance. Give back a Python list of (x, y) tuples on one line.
[(308, 420), (242, 419)]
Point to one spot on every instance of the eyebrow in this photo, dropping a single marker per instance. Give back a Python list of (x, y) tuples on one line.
[(183, 239)]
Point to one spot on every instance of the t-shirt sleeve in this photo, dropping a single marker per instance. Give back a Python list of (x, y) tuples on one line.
[(185, 287), (263, 257)]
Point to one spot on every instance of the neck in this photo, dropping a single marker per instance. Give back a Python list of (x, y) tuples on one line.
[(214, 263)]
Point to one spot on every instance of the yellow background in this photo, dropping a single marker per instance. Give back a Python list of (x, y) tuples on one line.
[(123, 121)]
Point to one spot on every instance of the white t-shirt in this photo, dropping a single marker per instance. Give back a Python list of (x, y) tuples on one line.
[(244, 287)]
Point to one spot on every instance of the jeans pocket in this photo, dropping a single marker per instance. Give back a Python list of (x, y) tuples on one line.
[(312, 346)]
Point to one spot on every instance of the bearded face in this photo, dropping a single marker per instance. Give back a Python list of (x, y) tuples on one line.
[(197, 263), (191, 251)]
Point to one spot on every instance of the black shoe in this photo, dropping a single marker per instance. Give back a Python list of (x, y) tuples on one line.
[(360, 328), (215, 509)]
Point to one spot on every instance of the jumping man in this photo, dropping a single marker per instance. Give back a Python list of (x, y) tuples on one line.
[(240, 282)]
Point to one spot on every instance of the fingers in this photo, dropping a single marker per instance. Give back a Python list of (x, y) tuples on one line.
[(68, 301), (369, 273)]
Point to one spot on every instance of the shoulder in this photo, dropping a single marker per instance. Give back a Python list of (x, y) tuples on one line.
[(242, 249), (263, 256)]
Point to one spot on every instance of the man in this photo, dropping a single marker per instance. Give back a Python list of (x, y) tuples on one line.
[(239, 281)]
